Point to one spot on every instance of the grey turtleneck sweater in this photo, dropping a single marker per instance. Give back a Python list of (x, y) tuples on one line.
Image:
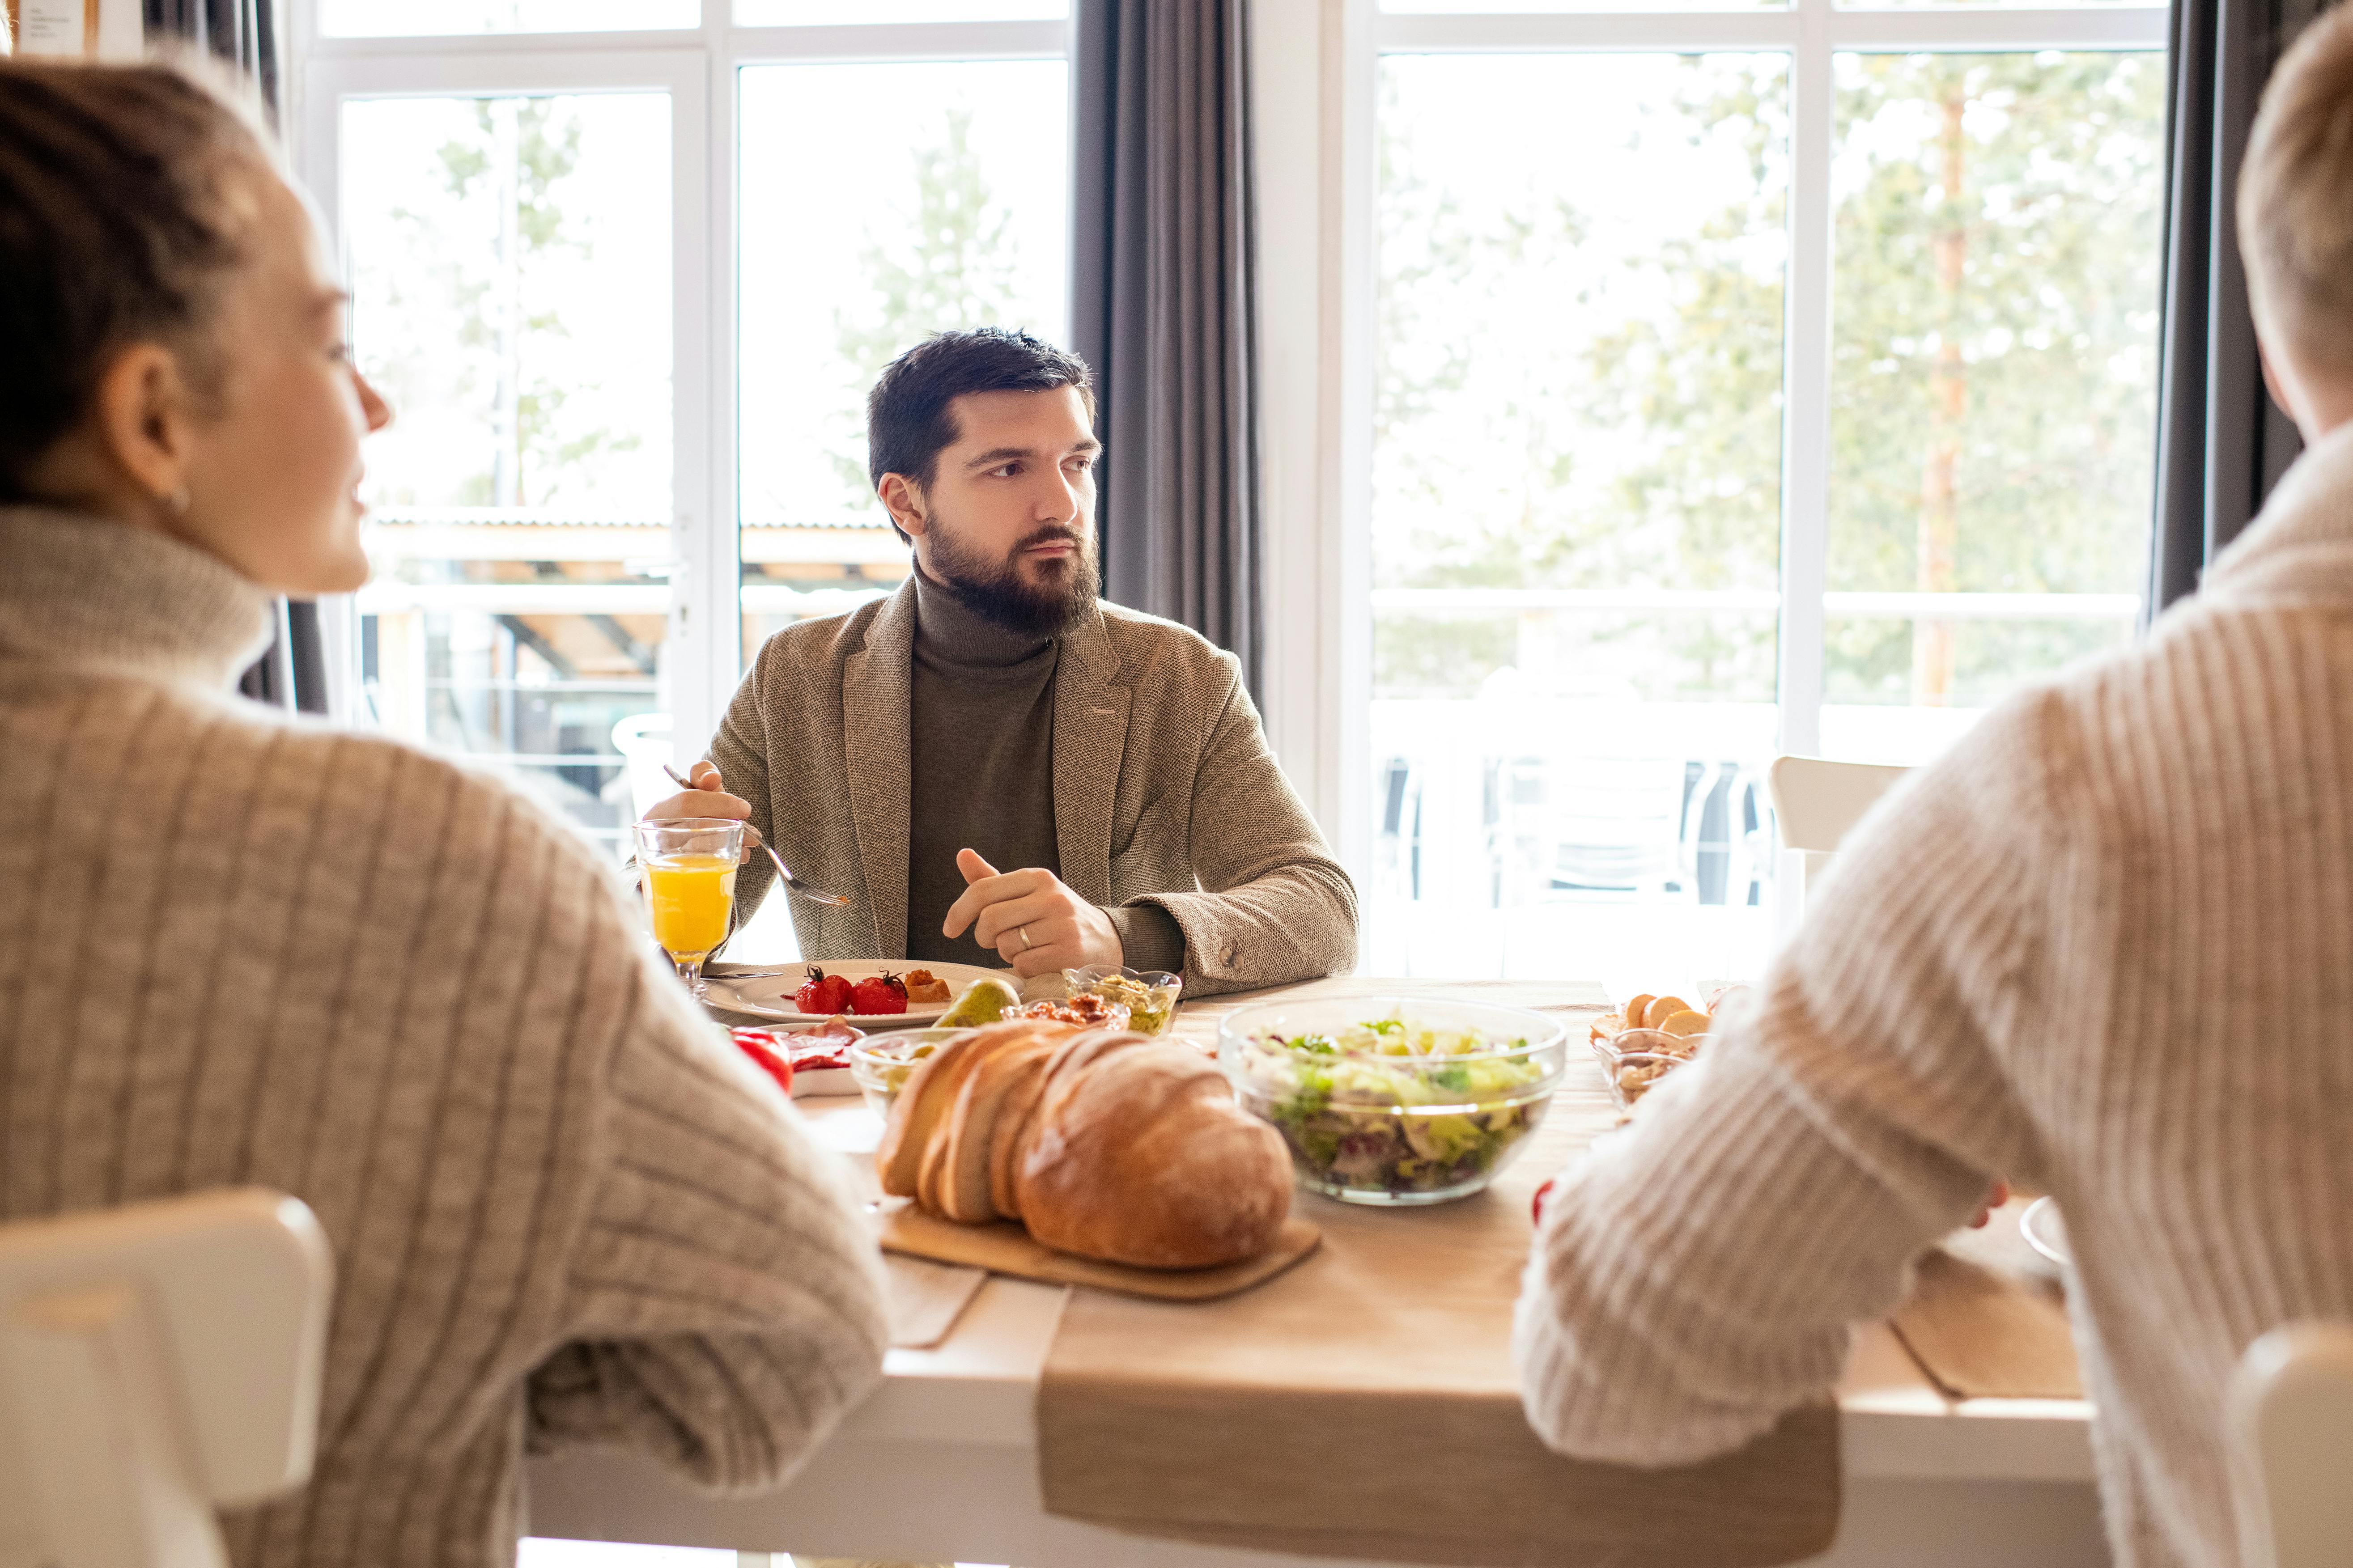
[(981, 776), (238, 947)]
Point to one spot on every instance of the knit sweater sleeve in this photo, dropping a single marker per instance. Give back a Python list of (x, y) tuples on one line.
[(725, 1307), (1698, 1276)]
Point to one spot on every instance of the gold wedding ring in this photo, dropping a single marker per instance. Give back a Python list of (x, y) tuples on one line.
[(1025, 937)]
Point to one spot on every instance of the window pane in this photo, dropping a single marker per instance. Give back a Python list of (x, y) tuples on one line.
[(1993, 398), (1539, 7), (419, 18), (511, 298), (950, 210), (824, 13), (1910, 5), (1577, 513)]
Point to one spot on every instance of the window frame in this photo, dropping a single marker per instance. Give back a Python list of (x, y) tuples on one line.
[(700, 68), (1319, 349)]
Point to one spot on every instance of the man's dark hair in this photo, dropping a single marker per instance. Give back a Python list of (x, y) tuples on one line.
[(907, 420), (117, 224)]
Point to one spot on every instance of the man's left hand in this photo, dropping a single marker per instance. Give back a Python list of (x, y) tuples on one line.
[(1035, 923)]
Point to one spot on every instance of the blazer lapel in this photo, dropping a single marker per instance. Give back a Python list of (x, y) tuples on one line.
[(1091, 706), (875, 685)]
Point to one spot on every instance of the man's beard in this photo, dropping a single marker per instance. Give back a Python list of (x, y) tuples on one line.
[(997, 591)]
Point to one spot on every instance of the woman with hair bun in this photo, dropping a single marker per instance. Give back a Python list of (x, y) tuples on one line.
[(238, 947)]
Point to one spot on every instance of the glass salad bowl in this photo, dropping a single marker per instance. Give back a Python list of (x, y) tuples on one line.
[(1395, 1099)]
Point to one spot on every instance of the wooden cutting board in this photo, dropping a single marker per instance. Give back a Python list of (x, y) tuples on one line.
[(1005, 1247)]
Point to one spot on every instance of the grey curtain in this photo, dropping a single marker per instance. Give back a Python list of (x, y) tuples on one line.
[(1164, 306), (2221, 443), (293, 672), (244, 33)]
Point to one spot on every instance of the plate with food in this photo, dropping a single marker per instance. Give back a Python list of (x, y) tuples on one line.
[(858, 989), (806, 1061)]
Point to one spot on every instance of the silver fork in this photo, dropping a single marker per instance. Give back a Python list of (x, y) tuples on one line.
[(784, 872)]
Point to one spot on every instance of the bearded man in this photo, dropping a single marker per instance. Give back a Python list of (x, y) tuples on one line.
[(991, 764)]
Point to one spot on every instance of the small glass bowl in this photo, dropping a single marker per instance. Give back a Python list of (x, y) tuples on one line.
[(882, 1063), (1396, 1128), (1148, 994), (1113, 1013), (1613, 1048), (1635, 1073)]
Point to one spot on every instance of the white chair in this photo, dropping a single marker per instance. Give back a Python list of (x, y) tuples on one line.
[(1818, 804), (2290, 1442), (157, 1362), (643, 740)]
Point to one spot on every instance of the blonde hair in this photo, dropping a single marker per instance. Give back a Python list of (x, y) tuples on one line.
[(2295, 197)]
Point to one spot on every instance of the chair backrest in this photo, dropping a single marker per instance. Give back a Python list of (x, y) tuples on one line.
[(2290, 1442), (1818, 802), (157, 1362), (644, 742)]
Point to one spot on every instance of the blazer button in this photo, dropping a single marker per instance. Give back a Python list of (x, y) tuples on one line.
[(1233, 951)]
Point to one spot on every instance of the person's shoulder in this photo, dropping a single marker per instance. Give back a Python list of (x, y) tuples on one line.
[(380, 789), (1151, 649), (821, 641)]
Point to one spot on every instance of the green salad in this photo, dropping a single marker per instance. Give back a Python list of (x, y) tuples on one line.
[(1378, 1108)]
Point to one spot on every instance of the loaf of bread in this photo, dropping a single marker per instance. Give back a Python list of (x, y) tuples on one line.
[(1143, 1158), (929, 1096), (1105, 1143)]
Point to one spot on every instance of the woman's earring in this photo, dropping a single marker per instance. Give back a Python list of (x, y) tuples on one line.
[(179, 501)]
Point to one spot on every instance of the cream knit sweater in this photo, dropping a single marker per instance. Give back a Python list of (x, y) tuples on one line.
[(2104, 948), (238, 947)]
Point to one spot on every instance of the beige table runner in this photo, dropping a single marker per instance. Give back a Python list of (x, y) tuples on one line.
[(926, 1299), (1363, 1404)]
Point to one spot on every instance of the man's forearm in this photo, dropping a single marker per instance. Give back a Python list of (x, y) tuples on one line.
[(1150, 937), (1296, 921)]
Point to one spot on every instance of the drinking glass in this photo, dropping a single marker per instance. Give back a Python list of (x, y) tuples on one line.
[(687, 866)]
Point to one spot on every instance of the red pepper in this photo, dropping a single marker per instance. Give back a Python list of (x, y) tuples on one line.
[(757, 1045), (1536, 1208)]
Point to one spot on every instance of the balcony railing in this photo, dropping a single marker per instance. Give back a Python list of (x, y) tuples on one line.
[(1836, 606)]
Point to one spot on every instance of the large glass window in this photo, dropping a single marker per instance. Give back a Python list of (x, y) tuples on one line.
[(626, 295), (1577, 504), (510, 282), (426, 18), (949, 209), (1993, 389), (815, 13), (1794, 393)]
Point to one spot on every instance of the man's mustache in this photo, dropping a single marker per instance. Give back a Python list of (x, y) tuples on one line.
[(1050, 535)]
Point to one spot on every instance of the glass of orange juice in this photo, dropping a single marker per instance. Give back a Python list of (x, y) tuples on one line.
[(687, 866)]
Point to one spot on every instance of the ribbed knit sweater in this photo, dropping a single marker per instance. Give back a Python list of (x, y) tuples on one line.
[(2105, 947), (239, 947)]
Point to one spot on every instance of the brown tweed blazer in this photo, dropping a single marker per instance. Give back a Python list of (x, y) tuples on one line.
[(1165, 793)]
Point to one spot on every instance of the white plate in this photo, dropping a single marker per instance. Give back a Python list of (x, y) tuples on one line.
[(2046, 1230), (772, 997)]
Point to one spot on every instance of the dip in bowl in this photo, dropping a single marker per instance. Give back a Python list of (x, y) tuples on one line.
[(1148, 994), (882, 1063), (1395, 1099)]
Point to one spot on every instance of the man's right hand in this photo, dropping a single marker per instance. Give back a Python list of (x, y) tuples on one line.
[(705, 799)]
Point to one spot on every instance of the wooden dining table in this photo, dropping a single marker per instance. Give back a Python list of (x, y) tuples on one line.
[(942, 1463)]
